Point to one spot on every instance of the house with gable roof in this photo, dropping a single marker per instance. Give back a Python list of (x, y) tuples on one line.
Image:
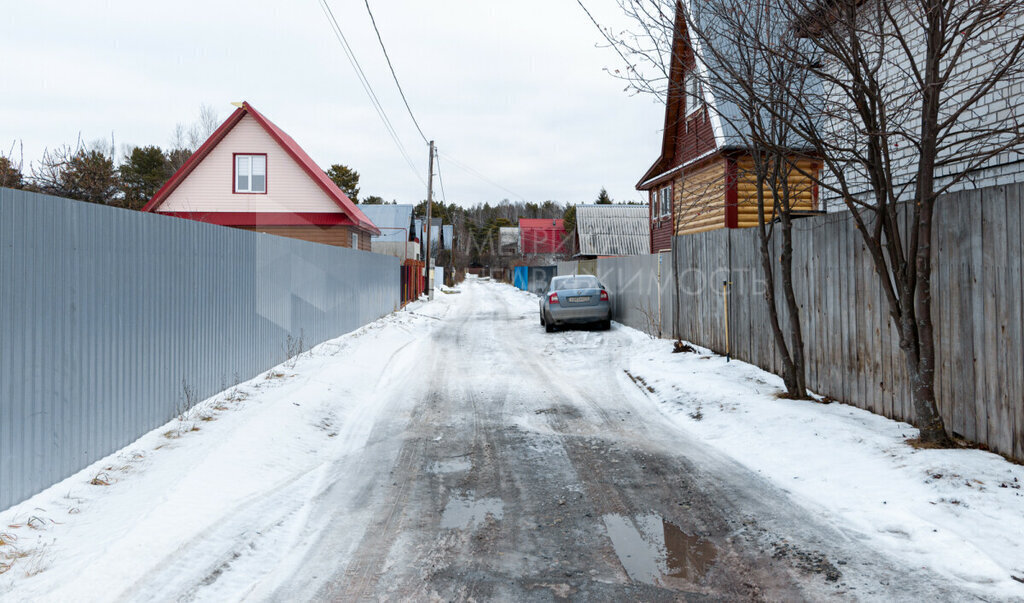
[(704, 178), (251, 175)]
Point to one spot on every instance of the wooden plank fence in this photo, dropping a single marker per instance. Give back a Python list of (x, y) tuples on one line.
[(851, 345)]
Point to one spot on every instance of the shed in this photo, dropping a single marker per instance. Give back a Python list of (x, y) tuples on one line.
[(508, 240), (612, 230), (397, 230)]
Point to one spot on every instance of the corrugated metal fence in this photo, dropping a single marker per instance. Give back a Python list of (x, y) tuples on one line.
[(852, 347), (107, 315)]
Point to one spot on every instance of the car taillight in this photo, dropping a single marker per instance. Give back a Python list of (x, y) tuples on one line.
[(604, 295), (553, 298)]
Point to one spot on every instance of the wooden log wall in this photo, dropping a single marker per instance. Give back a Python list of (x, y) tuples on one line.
[(801, 190), (700, 199)]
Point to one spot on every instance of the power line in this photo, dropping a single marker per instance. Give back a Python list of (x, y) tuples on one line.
[(473, 172), (440, 180), (393, 74), (361, 76)]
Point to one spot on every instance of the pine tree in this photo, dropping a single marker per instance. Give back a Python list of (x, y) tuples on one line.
[(603, 198), (347, 180), (144, 171)]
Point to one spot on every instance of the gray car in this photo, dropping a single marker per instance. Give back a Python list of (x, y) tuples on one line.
[(577, 299)]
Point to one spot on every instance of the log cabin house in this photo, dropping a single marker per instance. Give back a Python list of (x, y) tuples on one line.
[(251, 175), (703, 180)]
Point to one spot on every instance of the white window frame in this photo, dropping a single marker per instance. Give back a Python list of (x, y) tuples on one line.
[(665, 201), (692, 88), (244, 162), (355, 240)]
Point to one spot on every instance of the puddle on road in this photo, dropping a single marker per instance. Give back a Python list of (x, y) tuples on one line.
[(651, 549), (466, 512)]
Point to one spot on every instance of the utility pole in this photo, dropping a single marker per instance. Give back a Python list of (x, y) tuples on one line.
[(430, 203)]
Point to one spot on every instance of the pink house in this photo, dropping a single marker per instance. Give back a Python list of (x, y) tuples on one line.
[(253, 176)]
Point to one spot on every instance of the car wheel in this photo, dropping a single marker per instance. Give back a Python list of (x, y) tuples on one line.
[(606, 325), (549, 327)]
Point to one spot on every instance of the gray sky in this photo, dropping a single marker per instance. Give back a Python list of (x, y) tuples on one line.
[(515, 90)]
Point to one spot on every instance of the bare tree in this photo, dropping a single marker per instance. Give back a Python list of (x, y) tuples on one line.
[(913, 98), (745, 67), (723, 45), (903, 115), (190, 137)]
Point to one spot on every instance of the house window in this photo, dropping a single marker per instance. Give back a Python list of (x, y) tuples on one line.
[(355, 240), (694, 97), (251, 173), (665, 201), (655, 212)]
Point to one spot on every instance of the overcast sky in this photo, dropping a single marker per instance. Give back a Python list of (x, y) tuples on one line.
[(514, 90)]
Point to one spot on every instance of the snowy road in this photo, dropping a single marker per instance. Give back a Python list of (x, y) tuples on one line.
[(454, 452)]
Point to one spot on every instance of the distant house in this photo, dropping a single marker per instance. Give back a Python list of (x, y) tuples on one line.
[(397, 230), (541, 236), (703, 178), (253, 176), (612, 230), (508, 241)]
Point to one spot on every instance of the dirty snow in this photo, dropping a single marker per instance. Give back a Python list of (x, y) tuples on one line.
[(250, 461)]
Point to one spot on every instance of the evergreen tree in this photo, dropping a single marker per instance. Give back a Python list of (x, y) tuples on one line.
[(90, 176), (373, 200), (603, 198), (347, 180), (144, 171), (176, 158)]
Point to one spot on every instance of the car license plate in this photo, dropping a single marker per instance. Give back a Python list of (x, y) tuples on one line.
[(576, 300)]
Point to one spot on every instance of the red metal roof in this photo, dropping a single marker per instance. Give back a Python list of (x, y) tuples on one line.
[(541, 235), (357, 217)]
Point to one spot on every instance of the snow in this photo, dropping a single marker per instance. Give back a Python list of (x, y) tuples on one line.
[(271, 447), (262, 455), (957, 512)]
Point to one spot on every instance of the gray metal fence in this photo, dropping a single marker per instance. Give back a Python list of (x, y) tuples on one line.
[(107, 315), (852, 347)]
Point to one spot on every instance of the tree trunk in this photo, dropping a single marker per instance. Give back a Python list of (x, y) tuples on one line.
[(792, 371), (796, 333)]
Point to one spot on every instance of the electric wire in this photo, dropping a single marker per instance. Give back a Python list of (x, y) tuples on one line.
[(361, 76), (440, 179), (477, 174), (393, 74), (378, 107)]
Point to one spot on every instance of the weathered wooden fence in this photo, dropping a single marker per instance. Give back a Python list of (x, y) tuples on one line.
[(852, 347)]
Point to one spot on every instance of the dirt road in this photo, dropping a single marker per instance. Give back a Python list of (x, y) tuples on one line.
[(519, 465)]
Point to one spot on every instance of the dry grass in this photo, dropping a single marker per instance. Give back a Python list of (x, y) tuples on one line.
[(101, 479)]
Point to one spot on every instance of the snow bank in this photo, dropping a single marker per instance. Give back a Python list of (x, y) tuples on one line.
[(246, 461)]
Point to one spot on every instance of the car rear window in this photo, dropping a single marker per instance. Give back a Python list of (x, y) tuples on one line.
[(576, 282)]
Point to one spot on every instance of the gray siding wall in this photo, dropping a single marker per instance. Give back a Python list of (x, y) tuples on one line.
[(106, 315), (852, 347)]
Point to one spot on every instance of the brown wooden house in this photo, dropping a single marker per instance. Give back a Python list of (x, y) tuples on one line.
[(703, 179)]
